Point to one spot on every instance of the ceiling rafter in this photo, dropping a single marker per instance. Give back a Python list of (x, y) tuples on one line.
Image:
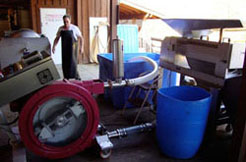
[(128, 11)]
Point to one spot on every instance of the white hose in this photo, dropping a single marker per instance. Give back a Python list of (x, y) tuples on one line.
[(138, 80), (147, 77)]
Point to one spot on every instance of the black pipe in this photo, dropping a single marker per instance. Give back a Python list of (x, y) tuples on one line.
[(122, 132)]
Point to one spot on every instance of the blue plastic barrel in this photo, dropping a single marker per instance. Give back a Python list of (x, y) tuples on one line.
[(182, 114)]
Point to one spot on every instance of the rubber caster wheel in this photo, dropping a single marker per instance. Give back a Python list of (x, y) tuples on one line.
[(228, 128), (104, 154)]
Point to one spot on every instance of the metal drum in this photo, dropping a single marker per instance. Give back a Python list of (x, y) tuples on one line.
[(27, 33)]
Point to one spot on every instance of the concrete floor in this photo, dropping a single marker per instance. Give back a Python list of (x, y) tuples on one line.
[(86, 71), (139, 147)]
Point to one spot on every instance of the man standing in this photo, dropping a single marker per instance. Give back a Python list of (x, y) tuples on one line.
[(70, 35)]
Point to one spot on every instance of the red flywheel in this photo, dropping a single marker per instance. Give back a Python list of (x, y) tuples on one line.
[(58, 121)]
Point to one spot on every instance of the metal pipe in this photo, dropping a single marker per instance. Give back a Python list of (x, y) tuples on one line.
[(118, 62), (130, 130), (104, 140), (111, 84), (138, 80)]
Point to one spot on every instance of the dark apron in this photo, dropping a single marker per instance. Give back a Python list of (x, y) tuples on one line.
[(69, 55)]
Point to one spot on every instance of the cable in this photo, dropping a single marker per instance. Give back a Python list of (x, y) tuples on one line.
[(10, 123)]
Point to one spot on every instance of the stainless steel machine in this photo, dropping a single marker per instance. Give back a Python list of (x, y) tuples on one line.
[(24, 73), (58, 118), (207, 61)]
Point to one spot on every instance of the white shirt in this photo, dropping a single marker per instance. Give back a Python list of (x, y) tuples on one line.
[(74, 28)]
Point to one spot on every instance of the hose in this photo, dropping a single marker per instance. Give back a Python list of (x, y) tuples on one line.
[(10, 123), (147, 77), (138, 80)]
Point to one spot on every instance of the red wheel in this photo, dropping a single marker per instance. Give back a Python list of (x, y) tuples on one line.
[(59, 121)]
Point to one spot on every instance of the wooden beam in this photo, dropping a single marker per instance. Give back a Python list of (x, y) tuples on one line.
[(56, 3), (34, 14), (98, 8), (85, 29), (42, 2), (104, 8), (79, 13), (91, 4), (64, 2), (49, 2), (132, 16), (108, 10), (129, 12), (79, 23), (38, 18)]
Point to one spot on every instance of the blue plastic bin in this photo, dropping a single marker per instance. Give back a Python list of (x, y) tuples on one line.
[(182, 114), (131, 70)]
